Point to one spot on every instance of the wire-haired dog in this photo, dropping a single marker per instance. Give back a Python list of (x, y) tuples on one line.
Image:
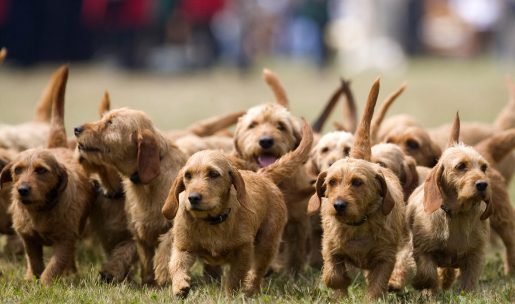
[(362, 214), (228, 216)]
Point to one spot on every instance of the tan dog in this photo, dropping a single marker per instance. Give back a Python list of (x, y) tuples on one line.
[(264, 134), (35, 133), (227, 216), (148, 162), (51, 199), (448, 219), (362, 214)]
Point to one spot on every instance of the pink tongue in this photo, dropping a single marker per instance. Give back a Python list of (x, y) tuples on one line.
[(266, 160)]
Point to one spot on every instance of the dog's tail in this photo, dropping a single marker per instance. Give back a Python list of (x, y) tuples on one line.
[(215, 124), (44, 106), (362, 148), (105, 104), (57, 137), (506, 118), (497, 147), (350, 112), (454, 136), (289, 163), (385, 106), (3, 54), (276, 86)]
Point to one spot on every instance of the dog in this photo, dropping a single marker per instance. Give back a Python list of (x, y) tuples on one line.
[(448, 219), (148, 163), (362, 214), (240, 227), (51, 197), (264, 134)]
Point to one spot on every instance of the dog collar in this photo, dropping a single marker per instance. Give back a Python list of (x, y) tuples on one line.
[(215, 220), (358, 223), (120, 193), (135, 178)]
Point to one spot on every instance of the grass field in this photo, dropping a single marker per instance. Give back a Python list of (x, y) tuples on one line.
[(436, 90)]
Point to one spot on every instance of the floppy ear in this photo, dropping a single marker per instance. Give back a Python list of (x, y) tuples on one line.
[(239, 185), (410, 180), (172, 200), (63, 178), (5, 175), (433, 198), (148, 157), (316, 199), (388, 202)]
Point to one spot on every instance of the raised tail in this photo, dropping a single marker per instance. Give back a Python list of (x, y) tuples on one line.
[(506, 118), (44, 106), (289, 163), (57, 137), (214, 124), (105, 104), (497, 147), (276, 86), (318, 124), (350, 112), (385, 106)]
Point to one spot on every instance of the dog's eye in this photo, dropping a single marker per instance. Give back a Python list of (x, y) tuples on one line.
[(213, 174), (332, 182), (252, 125), (484, 167), (461, 167), (187, 175), (346, 151), (412, 144), (281, 126), (324, 150), (356, 182), (18, 170), (40, 170)]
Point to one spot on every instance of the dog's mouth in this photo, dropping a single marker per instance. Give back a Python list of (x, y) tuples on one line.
[(26, 201), (88, 149), (265, 160)]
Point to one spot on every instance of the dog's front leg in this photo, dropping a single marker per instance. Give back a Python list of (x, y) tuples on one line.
[(240, 263), (146, 257), (63, 257), (118, 265), (378, 278), (334, 273), (426, 276), (180, 264), (471, 269), (34, 257)]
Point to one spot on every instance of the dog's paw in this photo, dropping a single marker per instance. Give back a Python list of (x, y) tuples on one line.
[(181, 288), (106, 277)]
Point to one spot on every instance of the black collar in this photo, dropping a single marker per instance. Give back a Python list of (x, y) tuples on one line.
[(215, 220), (135, 178), (358, 223), (52, 197)]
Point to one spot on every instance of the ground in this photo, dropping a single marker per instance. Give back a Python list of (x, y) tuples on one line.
[(437, 88)]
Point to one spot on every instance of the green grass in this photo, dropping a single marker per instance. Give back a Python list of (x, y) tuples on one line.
[(436, 90)]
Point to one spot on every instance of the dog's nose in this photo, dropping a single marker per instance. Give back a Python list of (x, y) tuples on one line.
[(266, 142), (481, 186), (195, 198), (77, 131), (24, 190), (340, 206)]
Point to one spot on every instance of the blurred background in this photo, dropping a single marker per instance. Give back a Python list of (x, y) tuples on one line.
[(183, 60)]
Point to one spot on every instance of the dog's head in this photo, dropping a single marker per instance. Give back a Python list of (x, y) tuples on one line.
[(330, 148), (265, 133), (37, 178), (460, 180), (404, 167), (206, 181), (415, 142), (125, 139), (353, 189)]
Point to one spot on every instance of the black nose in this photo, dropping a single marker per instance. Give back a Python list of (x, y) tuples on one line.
[(481, 186), (195, 198), (340, 206), (266, 142), (77, 131), (24, 190)]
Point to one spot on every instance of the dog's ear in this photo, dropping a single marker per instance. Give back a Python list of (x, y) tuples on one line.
[(316, 199), (239, 184), (105, 104), (433, 198), (62, 173), (410, 180), (6, 175), (149, 161), (172, 200), (388, 202)]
